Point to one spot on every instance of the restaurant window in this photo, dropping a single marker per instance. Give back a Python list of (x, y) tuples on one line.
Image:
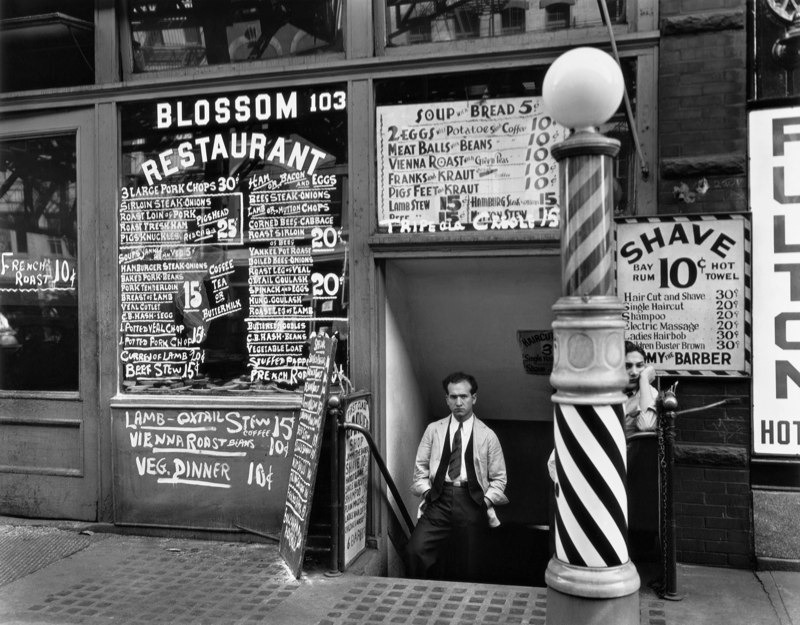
[(421, 21), (193, 33), (46, 44), (233, 239), (471, 154), (38, 264)]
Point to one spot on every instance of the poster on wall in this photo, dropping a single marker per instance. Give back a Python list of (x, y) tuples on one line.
[(684, 281), (232, 246), (536, 347), (480, 165), (774, 138)]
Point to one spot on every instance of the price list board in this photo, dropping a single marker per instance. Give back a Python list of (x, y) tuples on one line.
[(481, 165), (285, 276), (232, 252), (307, 446), (213, 467), (685, 284)]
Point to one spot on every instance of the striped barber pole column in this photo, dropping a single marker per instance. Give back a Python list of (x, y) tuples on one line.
[(587, 241), (591, 520), (592, 512)]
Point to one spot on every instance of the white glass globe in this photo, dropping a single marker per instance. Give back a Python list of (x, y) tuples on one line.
[(582, 88)]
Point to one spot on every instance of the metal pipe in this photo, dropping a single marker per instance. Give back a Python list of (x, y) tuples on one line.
[(626, 98), (334, 412), (727, 400), (670, 404), (376, 454)]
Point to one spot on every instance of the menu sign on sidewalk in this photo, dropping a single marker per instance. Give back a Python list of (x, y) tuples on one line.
[(355, 479), (482, 165), (684, 281), (305, 458)]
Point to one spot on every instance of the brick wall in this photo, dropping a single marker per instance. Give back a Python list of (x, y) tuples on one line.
[(713, 504), (702, 117), (703, 136)]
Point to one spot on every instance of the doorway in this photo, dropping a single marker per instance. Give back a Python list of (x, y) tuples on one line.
[(465, 313), (48, 329)]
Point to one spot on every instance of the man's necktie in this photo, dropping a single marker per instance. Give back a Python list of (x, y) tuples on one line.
[(454, 466)]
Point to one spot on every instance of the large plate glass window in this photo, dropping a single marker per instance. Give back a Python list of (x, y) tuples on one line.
[(421, 21), (38, 264), (192, 33), (473, 153), (232, 239)]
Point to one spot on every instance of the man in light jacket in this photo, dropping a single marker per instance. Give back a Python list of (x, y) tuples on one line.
[(460, 473)]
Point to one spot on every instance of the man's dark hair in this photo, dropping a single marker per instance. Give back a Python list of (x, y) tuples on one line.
[(460, 376), (630, 346)]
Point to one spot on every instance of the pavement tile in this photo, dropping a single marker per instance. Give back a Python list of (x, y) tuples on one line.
[(65, 578)]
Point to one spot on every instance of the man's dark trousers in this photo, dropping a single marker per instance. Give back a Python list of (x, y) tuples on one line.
[(449, 538)]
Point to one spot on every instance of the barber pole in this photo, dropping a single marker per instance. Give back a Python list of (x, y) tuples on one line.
[(591, 520), (591, 516)]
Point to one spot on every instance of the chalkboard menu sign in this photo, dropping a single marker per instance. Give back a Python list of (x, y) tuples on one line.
[(307, 446), (232, 243), (214, 467), (483, 165)]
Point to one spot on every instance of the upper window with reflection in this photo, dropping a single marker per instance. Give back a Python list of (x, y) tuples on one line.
[(46, 44), (191, 33), (423, 21)]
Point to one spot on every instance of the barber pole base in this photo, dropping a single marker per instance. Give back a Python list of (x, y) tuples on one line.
[(591, 596)]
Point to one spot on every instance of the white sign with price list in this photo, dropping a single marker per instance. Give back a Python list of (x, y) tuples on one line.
[(683, 280), (482, 165)]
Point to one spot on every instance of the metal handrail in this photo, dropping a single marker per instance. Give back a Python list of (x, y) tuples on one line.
[(376, 454)]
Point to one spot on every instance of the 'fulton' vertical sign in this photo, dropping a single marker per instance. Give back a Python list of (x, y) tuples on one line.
[(775, 202)]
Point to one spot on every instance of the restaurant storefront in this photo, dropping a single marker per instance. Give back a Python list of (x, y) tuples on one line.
[(195, 189)]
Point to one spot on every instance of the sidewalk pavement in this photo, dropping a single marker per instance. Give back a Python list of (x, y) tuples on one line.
[(64, 573)]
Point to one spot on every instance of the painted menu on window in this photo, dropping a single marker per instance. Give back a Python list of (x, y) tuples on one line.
[(483, 165), (232, 248)]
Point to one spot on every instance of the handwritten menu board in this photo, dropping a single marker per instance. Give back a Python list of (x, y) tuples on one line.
[(684, 282), (307, 446), (470, 165), (232, 251), (213, 467), (355, 479)]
